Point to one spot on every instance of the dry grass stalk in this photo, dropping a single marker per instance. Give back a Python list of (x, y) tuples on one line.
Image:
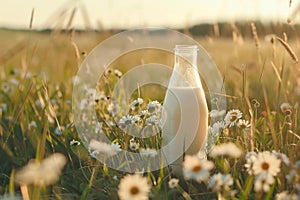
[(284, 37), (236, 34), (276, 72), (255, 36), (31, 19), (77, 54), (288, 49), (71, 18)]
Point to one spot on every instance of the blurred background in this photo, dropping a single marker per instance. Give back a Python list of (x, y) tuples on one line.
[(116, 14)]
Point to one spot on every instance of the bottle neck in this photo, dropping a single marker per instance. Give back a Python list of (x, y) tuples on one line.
[(185, 68), (186, 56)]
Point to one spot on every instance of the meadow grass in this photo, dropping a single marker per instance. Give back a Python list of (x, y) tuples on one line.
[(36, 92)]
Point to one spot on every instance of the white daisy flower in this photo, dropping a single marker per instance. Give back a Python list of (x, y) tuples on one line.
[(113, 108), (286, 196), (227, 149), (250, 157), (195, 168), (59, 130), (136, 102), (127, 120), (74, 142), (42, 173), (286, 108), (133, 145), (144, 113), (32, 125), (243, 124), (263, 182), (232, 117), (152, 120), (282, 157), (116, 146), (118, 73), (154, 107), (98, 147), (266, 163), (173, 183), (217, 128), (148, 152), (220, 182), (134, 187)]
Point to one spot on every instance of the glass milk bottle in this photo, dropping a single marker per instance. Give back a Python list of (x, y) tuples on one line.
[(185, 112)]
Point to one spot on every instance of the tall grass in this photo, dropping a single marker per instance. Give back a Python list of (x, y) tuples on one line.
[(36, 86)]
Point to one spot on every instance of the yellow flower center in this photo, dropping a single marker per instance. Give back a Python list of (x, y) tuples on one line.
[(265, 166), (233, 118), (134, 190), (197, 168)]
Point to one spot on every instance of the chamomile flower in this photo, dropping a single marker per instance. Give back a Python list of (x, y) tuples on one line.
[(243, 124), (226, 149), (220, 182), (250, 157), (127, 120), (118, 73), (217, 128), (286, 196), (133, 145), (116, 146), (263, 181), (173, 183), (282, 157), (136, 103), (113, 108), (195, 168), (42, 173), (152, 120), (286, 108), (99, 147), (154, 107), (74, 142), (266, 162), (134, 187), (144, 113), (32, 125), (232, 117)]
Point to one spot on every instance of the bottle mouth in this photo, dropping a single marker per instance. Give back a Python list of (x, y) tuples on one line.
[(184, 47)]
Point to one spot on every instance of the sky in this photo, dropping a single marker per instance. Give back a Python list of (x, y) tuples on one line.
[(108, 14)]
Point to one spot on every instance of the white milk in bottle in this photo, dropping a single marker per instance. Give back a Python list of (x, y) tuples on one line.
[(185, 115)]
